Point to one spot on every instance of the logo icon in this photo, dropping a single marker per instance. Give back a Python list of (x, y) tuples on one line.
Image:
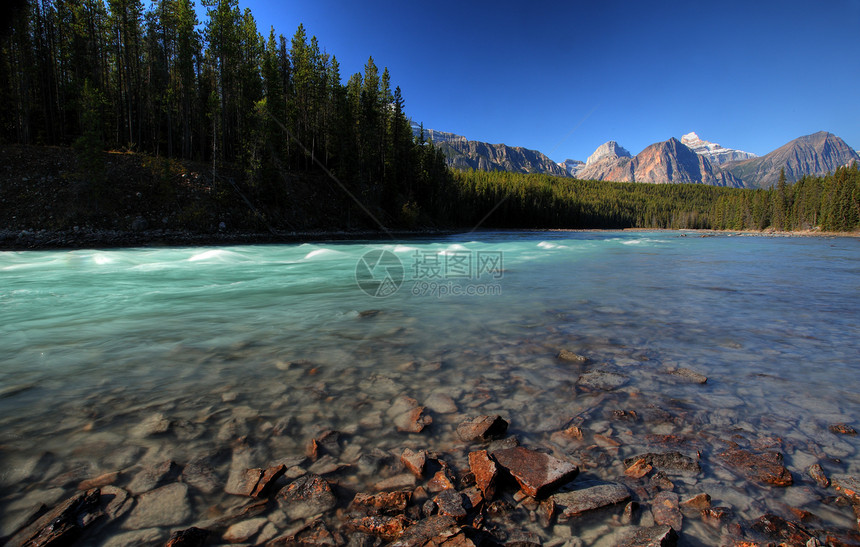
[(379, 273)]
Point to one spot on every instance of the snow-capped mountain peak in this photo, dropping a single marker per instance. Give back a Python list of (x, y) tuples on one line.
[(713, 151)]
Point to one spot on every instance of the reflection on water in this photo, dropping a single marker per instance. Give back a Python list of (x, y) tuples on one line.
[(271, 345)]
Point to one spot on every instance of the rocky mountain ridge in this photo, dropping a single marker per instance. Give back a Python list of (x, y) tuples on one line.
[(690, 160), (713, 151), (816, 154), (462, 153)]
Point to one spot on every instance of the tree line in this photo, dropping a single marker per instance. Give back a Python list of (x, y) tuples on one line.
[(514, 200), (110, 74)]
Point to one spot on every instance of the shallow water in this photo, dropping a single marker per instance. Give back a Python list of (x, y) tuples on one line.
[(274, 344)]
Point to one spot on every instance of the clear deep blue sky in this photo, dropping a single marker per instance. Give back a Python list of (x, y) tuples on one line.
[(564, 77)]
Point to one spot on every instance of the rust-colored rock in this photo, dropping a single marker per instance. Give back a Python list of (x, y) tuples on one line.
[(245, 483), (671, 462), (766, 467), (779, 529), (538, 474), (666, 511), (652, 536), (191, 537), (842, 429), (698, 502), (267, 481), (451, 504), (383, 502), (716, 516), (638, 469), (817, 473), (434, 530), (442, 480), (63, 524), (573, 432), (388, 528), (315, 533), (413, 421), (307, 496), (848, 486), (482, 428), (546, 512), (485, 472), (414, 461), (97, 482)]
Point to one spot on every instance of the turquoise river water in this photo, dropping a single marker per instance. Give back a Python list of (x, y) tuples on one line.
[(269, 345)]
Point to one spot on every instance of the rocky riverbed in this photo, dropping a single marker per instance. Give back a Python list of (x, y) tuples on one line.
[(406, 468)]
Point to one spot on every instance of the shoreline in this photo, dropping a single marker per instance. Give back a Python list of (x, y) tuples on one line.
[(43, 240)]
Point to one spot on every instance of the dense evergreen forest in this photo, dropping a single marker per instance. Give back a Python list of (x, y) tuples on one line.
[(117, 76), (513, 200), (272, 122)]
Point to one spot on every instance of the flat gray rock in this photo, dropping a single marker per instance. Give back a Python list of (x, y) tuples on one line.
[(165, 506), (603, 381), (590, 497)]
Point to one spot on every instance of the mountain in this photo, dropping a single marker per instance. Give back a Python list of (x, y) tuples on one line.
[(662, 162), (713, 151), (572, 167), (608, 150), (815, 154), (462, 153)]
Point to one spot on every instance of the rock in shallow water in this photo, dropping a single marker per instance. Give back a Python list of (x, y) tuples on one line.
[(653, 536), (165, 506), (538, 474), (666, 511), (766, 467), (306, 496), (590, 496), (485, 472), (482, 428), (603, 381), (63, 524)]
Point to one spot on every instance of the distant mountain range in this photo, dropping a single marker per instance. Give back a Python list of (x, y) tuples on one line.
[(690, 160), (462, 153)]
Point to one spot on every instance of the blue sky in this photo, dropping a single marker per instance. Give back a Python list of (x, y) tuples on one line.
[(564, 77)]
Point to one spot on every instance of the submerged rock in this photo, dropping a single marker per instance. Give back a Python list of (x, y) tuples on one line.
[(842, 429), (590, 496), (571, 357), (382, 503), (689, 375), (817, 473), (766, 467), (537, 473), (600, 380), (482, 428), (414, 461), (63, 524), (190, 537), (452, 504), (441, 403), (779, 529), (674, 462), (243, 531), (153, 424), (165, 506), (436, 529), (306, 496), (652, 536), (848, 486), (666, 511), (386, 528)]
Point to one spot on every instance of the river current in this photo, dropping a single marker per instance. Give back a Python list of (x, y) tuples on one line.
[(114, 360)]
